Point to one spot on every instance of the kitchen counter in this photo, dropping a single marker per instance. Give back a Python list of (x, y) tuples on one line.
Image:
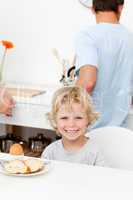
[(32, 111)]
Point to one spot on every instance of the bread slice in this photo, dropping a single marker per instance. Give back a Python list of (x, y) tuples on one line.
[(16, 167), (23, 166), (34, 164)]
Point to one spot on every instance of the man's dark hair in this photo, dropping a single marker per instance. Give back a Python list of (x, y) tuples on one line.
[(107, 5)]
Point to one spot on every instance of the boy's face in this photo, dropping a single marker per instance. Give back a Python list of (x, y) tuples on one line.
[(72, 123)]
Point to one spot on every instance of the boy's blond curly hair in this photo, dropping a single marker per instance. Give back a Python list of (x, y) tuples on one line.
[(67, 96)]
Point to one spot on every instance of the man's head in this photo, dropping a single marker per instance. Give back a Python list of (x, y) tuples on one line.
[(107, 5)]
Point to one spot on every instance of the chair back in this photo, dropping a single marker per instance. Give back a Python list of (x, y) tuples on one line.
[(116, 144)]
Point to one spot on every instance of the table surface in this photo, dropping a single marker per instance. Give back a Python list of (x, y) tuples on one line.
[(66, 181)]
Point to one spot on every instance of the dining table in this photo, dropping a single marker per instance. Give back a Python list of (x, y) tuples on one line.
[(68, 181)]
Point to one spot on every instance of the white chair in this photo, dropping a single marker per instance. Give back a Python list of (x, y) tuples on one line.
[(116, 144)]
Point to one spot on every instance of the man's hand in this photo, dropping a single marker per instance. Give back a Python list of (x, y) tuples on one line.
[(6, 102)]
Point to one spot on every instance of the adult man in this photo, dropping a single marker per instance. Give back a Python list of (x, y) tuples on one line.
[(6, 102), (105, 63)]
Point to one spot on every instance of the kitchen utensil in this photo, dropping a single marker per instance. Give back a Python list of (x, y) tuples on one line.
[(38, 143)]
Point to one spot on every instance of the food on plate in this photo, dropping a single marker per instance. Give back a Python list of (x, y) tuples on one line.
[(16, 149), (16, 167), (23, 166), (34, 165)]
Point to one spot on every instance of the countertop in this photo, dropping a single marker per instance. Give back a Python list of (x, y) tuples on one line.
[(32, 111)]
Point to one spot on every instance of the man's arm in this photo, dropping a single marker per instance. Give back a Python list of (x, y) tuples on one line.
[(87, 77)]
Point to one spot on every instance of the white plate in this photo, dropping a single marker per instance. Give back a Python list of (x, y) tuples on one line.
[(45, 169)]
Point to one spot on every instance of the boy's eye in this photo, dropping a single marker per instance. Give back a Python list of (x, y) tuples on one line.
[(63, 117), (78, 117)]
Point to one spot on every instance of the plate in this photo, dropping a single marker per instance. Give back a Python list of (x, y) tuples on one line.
[(45, 169)]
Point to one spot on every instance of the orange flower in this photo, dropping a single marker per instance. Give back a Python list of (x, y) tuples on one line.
[(7, 44)]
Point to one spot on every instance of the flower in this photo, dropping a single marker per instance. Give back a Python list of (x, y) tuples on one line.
[(7, 45)]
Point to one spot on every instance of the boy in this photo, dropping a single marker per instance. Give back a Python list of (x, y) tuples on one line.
[(70, 116)]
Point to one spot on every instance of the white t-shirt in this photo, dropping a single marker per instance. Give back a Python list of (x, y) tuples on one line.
[(88, 154)]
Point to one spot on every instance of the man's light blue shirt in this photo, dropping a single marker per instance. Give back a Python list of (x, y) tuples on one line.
[(109, 48)]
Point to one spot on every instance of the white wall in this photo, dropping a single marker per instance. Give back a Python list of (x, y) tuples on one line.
[(37, 26)]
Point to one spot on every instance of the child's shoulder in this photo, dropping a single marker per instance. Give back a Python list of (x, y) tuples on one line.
[(51, 149), (54, 144)]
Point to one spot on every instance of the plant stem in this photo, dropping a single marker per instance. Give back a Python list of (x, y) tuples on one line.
[(2, 64)]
